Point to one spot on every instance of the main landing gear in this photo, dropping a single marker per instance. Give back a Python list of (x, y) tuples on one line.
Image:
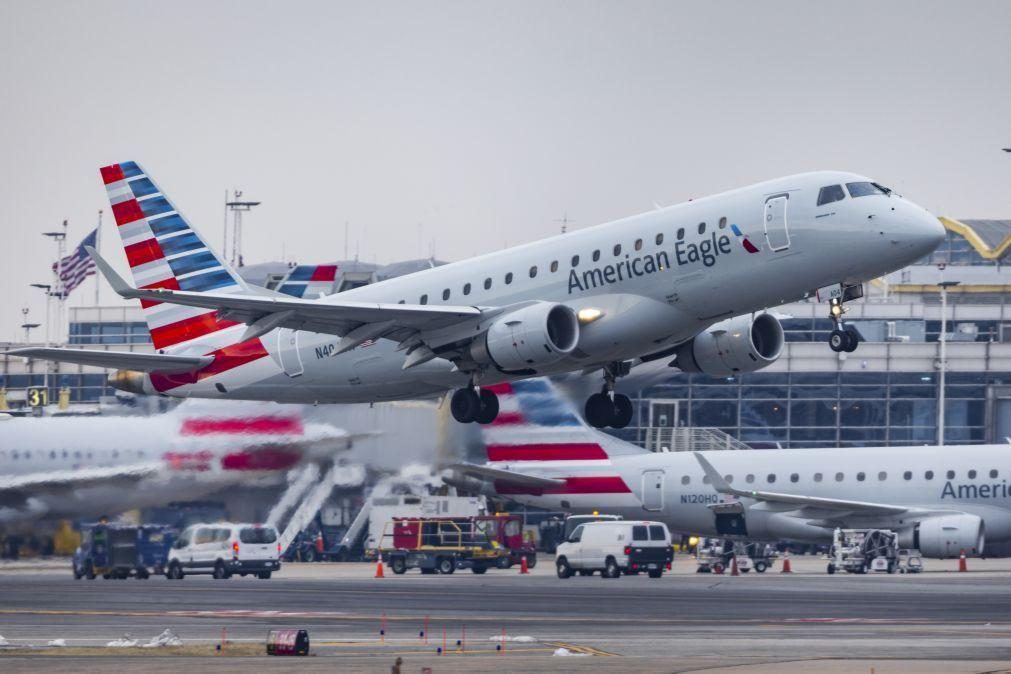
[(843, 339), (608, 408), (472, 404)]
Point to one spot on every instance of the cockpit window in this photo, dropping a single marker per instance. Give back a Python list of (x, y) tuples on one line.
[(830, 193), (865, 189)]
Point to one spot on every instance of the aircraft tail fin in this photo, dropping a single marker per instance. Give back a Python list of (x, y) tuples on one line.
[(165, 251), (536, 422)]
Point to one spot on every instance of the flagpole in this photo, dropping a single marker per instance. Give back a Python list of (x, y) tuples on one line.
[(98, 248)]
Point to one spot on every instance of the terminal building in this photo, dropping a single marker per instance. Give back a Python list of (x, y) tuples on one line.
[(885, 393)]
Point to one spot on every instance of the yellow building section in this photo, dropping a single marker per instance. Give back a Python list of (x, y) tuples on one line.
[(975, 240)]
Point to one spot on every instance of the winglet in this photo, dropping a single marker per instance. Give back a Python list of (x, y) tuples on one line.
[(719, 483), (122, 288)]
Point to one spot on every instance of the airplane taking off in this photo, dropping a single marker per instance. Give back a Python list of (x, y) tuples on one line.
[(681, 283), (939, 500), (104, 465)]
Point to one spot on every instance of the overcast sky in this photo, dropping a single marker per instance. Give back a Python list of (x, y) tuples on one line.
[(468, 126)]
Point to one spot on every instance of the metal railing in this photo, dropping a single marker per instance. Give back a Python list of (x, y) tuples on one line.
[(686, 439)]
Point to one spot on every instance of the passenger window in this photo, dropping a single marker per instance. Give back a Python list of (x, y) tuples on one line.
[(794, 477), (402, 302), (466, 288), (929, 475), (659, 239), (972, 475), (596, 255), (723, 223), (640, 533), (705, 479), (424, 299), (993, 473), (52, 454), (882, 476), (770, 478), (685, 479), (861, 476), (749, 478), (702, 228), (509, 278), (729, 478), (638, 244), (617, 250), (908, 475), (681, 233), (533, 271), (445, 294), (657, 533), (575, 260), (487, 284), (839, 477), (554, 266), (863, 189), (951, 475), (817, 477), (830, 193)]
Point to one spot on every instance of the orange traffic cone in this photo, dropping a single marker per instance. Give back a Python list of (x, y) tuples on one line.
[(962, 566), (524, 566), (734, 571), (786, 562), (379, 567)]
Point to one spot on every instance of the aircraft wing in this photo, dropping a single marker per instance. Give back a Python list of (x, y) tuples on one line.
[(32, 482), (355, 321), (817, 502), (488, 474), (127, 360)]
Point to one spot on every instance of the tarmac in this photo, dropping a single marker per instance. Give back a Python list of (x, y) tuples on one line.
[(937, 621)]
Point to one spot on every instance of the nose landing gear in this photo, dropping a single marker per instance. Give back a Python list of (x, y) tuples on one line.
[(843, 339), (472, 404), (608, 408)]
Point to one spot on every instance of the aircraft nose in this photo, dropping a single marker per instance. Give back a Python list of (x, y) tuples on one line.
[(921, 232)]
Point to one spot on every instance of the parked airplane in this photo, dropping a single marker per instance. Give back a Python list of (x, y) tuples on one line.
[(92, 466), (682, 282), (939, 499)]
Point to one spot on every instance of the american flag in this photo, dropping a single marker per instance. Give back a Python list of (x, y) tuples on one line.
[(76, 267)]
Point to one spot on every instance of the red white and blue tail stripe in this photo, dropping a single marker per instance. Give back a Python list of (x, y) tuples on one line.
[(310, 281)]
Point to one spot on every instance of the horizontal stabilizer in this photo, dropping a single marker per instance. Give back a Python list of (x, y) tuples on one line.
[(122, 360), (498, 475)]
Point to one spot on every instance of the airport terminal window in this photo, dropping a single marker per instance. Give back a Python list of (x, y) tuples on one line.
[(575, 260), (839, 477), (770, 478), (685, 479), (794, 477), (617, 250), (681, 233), (929, 475), (659, 239), (533, 271), (445, 294), (908, 475), (882, 476), (861, 476), (487, 284), (817, 477), (863, 189), (830, 193), (951, 475), (723, 223), (423, 300), (702, 228), (466, 288), (554, 266), (596, 255), (638, 244), (972, 475), (509, 278), (993, 473), (749, 478)]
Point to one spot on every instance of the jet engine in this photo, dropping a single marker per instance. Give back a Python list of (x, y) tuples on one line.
[(523, 340), (733, 346), (947, 535)]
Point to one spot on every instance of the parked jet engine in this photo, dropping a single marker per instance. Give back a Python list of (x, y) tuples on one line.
[(948, 535), (734, 346)]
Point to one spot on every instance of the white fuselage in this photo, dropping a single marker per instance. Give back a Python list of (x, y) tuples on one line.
[(658, 278)]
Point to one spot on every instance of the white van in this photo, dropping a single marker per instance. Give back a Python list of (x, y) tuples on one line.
[(223, 549), (614, 548)]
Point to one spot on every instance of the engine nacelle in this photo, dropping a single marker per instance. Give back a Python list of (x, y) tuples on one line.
[(947, 535), (529, 338), (733, 346)]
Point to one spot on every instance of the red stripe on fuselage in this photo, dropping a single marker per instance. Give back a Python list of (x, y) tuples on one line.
[(571, 451), (111, 174), (143, 252), (264, 425), (225, 359), (187, 329), (264, 459), (127, 211), (573, 485)]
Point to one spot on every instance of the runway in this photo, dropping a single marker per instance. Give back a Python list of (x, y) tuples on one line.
[(682, 622)]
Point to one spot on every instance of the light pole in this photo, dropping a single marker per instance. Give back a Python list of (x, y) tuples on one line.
[(26, 326), (60, 237), (943, 338), (237, 208)]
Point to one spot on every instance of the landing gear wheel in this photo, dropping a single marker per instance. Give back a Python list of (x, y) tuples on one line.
[(488, 402), (465, 405), (853, 340), (599, 410), (622, 411), (838, 340)]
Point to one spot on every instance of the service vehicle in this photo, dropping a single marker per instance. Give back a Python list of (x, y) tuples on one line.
[(121, 551), (614, 548), (715, 556), (910, 561), (224, 549), (507, 530), (864, 550), (436, 545)]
